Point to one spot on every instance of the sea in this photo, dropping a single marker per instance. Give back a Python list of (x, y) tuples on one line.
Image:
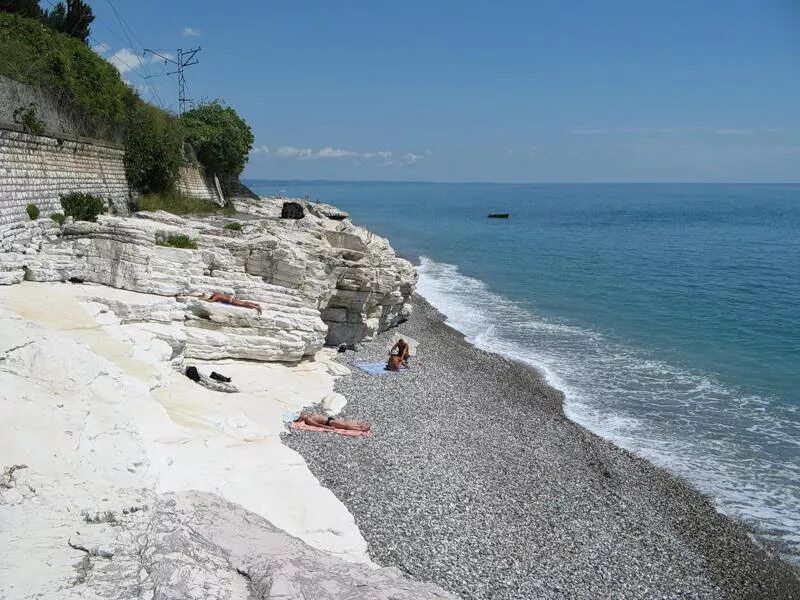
[(668, 314)]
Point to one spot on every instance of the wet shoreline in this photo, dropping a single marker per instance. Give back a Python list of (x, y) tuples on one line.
[(474, 479)]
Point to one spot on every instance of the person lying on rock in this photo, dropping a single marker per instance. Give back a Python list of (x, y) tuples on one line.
[(232, 300), (318, 420)]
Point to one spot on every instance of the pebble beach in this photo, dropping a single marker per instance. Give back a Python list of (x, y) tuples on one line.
[(474, 479)]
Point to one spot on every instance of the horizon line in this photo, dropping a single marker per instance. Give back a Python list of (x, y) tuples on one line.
[(472, 182)]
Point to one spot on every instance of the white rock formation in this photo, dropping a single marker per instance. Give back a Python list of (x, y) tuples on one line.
[(120, 477), (319, 279), (104, 441)]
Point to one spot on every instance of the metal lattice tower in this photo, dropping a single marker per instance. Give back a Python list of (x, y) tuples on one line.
[(184, 59)]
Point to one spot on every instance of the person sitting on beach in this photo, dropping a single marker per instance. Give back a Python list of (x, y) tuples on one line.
[(232, 300), (318, 420), (402, 350)]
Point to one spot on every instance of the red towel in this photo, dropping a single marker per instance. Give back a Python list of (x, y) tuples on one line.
[(307, 427)]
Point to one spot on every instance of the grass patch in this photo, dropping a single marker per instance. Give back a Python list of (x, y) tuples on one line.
[(33, 211), (178, 241), (179, 204), (58, 218), (83, 207), (235, 226)]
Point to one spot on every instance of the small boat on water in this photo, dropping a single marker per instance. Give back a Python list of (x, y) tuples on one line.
[(498, 215)]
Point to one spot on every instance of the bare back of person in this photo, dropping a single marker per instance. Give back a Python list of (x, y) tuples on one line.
[(319, 420)]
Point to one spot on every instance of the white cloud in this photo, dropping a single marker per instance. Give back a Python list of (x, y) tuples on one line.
[(329, 152), (125, 60), (383, 157), (102, 48), (190, 32), (292, 152)]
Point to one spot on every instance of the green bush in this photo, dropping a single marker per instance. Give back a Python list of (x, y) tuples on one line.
[(33, 211), (58, 218), (179, 204), (220, 136), (179, 241), (83, 207), (235, 226), (26, 116), (71, 72), (153, 141)]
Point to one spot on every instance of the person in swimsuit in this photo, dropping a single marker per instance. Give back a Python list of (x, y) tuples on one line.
[(318, 420), (232, 300)]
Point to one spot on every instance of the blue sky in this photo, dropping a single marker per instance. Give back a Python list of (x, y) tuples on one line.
[(562, 90)]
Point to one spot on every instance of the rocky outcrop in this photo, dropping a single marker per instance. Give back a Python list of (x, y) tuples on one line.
[(292, 210), (190, 545), (327, 211), (193, 545), (18, 241), (359, 284), (318, 279)]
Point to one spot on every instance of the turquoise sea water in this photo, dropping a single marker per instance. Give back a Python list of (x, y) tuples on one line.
[(668, 314)]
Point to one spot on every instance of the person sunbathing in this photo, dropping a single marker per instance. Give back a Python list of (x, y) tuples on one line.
[(232, 300), (318, 420)]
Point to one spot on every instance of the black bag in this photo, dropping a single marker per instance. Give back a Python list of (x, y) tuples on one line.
[(191, 373)]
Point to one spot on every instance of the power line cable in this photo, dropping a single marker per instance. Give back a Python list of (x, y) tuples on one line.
[(154, 93), (124, 25)]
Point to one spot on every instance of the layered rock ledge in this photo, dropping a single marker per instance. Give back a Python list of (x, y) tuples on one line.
[(319, 279)]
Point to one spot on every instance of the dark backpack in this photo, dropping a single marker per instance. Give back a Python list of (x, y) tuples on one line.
[(191, 373)]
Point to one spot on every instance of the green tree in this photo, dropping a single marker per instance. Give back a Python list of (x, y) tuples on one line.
[(73, 19), (221, 138), (153, 142), (57, 17), (26, 8), (79, 17)]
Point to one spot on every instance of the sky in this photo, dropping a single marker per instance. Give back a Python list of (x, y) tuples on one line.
[(513, 91)]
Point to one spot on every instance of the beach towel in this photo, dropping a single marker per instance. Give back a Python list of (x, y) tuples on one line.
[(377, 368), (307, 427)]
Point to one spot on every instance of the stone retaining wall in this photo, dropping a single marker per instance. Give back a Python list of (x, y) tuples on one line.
[(38, 169), (194, 181)]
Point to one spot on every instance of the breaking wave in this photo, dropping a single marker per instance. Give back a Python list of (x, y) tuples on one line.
[(741, 449)]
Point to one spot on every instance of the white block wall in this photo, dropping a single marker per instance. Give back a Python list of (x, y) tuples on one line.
[(194, 181), (38, 169)]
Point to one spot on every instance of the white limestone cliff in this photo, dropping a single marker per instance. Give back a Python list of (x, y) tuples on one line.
[(319, 279), (119, 476)]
